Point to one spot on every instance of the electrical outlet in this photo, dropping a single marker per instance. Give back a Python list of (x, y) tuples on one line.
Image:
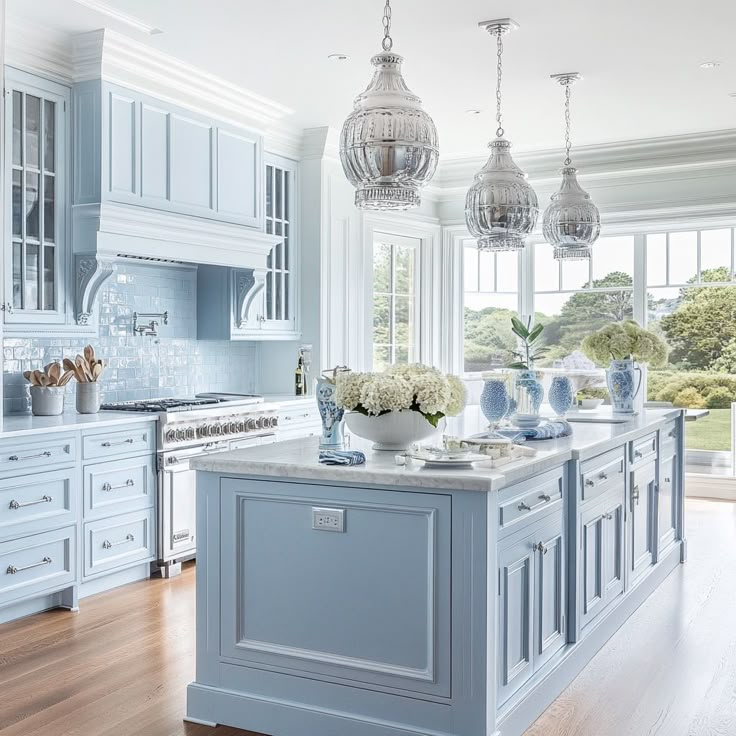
[(328, 520)]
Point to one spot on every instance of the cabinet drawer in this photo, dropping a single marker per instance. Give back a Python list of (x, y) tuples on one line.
[(110, 544), (644, 449), (532, 500), (599, 475), (38, 563), (119, 486), (54, 451), (33, 503), (299, 415), (132, 440)]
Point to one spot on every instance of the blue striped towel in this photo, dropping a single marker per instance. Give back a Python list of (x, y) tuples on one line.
[(341, 457), (546, 431)]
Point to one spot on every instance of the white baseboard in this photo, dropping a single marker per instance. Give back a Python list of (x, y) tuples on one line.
[(717, 487)]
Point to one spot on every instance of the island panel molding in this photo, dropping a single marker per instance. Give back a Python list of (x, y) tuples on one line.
[(345, 629)]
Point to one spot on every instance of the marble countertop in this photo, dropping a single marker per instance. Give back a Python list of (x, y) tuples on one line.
[(298, 459), (18, 425)]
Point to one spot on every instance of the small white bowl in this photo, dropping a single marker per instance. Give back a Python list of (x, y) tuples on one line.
[(590, 403)]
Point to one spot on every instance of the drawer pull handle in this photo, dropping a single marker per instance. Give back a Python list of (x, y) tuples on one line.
[(603, 476), (544, 497), (539, 547), (129, 441), (589, 482), (667, 480), (672, 433), (524, 507), (15, 458), (12, 569), (607, 516), (108, 487), (107, 544), (15, 505), (638, 453), (634, 497)]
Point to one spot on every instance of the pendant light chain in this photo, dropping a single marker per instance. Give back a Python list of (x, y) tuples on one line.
[(568, 142), (387, 42), (499, 74)]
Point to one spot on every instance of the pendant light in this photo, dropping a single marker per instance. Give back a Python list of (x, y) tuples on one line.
[(388, 145), (501, 209), (572, 222)]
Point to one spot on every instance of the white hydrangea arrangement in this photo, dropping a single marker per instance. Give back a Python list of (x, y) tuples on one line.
[(625, 340), (413, 387)]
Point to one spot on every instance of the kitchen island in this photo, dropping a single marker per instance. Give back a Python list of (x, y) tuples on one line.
[(380, 600)]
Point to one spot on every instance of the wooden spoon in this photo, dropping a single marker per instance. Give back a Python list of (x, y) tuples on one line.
[(28, 375), (41, 378), (53, 370), (66, 378), (83, 368), (97, 370), (89, 354), (71, 366)]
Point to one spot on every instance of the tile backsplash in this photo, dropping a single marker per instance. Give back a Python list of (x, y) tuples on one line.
[(173, 364)]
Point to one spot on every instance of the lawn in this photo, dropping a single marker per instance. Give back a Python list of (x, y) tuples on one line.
[(710, 433)]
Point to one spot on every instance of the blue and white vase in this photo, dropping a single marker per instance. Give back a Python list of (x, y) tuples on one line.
[(560, 395), (494, 400), (332, 416), (528, 395), (623, 385)]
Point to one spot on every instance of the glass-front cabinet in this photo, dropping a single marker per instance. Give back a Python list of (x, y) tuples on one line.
[(36, 117), (279, 308)]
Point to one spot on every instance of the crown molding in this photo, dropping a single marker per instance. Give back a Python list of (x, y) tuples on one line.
[(105, 54), (321, 143), (37, 48), (622, 159)]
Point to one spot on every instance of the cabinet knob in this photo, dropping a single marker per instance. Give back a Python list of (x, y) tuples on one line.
[(524, 507), (603, 476), (635, 494), (638, 453), (544, 497), (589, 482), (667, 480), (539, 547)]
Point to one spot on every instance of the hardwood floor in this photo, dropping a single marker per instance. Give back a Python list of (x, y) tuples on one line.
[(120, 667)]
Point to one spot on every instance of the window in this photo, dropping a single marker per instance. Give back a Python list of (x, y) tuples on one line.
[(395, 300), (279, 208), (691, 301), (573, 298), (490, 285), (35, 169)]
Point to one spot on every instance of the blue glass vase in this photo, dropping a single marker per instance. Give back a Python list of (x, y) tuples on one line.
[(494, 400), (332, 416), (560, 395)]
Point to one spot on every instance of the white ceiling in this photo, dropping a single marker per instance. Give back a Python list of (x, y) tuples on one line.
[(639, 58)]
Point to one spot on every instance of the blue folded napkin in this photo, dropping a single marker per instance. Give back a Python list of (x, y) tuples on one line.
[(341, 457), (546, 431)]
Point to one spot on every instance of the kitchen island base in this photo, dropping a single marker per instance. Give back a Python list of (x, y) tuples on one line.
[(431, 610)]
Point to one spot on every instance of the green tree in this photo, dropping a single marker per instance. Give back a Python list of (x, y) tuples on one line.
[(488, 335), (587, 311), (702, 327)]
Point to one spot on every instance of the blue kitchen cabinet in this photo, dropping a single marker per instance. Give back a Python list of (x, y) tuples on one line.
[(36, 171), (642, 519), (244, 304), (146, 152), (531, 602)]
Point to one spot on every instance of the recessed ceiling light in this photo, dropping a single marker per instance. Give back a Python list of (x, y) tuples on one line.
[(473, 111), (710, 64), (338, 57), (732, 94)]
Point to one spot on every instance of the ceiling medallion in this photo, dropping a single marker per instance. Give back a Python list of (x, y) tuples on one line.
[(572, 222), (501, 208), (388, 144)]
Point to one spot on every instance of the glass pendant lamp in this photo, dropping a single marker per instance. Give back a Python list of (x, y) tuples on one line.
[(501, 208), (388, 145), (572, 222)]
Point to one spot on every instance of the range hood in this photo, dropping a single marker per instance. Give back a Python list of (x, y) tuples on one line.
[(110, 233)]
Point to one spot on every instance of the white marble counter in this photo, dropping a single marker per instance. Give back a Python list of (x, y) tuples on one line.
[(298, 459), (18, 425)]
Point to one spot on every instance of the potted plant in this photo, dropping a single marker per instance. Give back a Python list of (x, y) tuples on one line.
[(622, 345), (47, 389), (403, 405), (528, 391)]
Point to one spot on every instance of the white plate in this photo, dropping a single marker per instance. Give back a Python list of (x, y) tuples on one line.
[(431, 459)]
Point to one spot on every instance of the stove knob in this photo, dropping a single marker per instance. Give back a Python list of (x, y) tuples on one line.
[(250, 425), (191, 433), (205, 430), (180, 435), (274, 422), (217, 429), (240, 426), (232, 427), (170, 435)]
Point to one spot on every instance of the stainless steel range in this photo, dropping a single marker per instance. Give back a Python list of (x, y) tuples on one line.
[(190, 428)]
